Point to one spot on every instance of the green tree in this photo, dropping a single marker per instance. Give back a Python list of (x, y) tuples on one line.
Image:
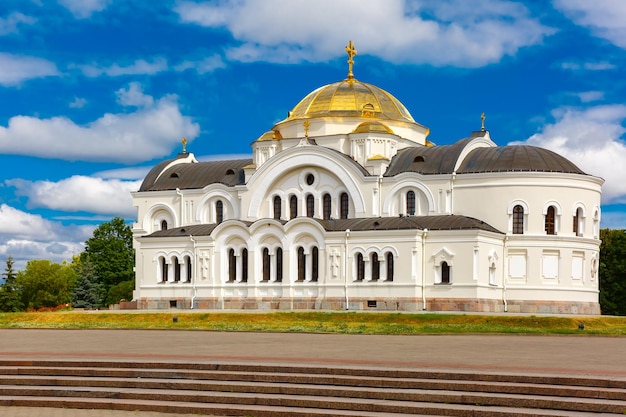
[(121, 291), (10, 299), (111, 254), (45, 284), (613, 272), (87, 291)]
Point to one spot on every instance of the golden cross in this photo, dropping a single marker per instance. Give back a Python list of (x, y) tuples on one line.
[(184, 142), (306, 125), (482, 118), (351, 54)]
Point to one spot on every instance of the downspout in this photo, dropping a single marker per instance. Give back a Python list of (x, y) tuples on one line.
[(182, 213), (195, 270), (345, 268), (504, 254), (424, 234), (380, 195)]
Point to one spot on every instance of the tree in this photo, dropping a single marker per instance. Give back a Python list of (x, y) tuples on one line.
[(111, 254), (87, 291), (45, 284), (613, 272), (10, 299)]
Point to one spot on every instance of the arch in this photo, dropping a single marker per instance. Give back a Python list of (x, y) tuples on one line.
[(552, 203), (326, 206), (310, 205), (375, 264), (407, 184), (389, 263), (293, 207), (155, 214), (518, 216), (479, 142), (278, 207), (344, 209), (205, 212)]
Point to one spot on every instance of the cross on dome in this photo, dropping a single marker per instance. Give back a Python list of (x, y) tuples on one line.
[(351, 54)]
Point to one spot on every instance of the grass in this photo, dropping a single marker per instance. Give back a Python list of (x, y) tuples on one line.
[(319, 322)]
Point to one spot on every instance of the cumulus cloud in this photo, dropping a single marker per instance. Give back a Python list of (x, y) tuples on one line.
[(15, 69), (138, 67), (145, 134), (592, 138), (10, 23), (133, 96), (83, 9), (23, 225), (202, 66), (589, 96), (605, 18), (80, 193), (453, 32), (78, 103), (588, 66)]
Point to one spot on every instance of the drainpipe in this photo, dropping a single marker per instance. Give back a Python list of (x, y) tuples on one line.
[(345, 268), (380, 195), (506, 306), (195, 270), (424, 234), (182, 213)]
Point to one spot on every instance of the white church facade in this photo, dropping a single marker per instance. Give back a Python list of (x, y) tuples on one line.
[(345, 204)]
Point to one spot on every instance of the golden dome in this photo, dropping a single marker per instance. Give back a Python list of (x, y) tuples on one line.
[(377, 127), (351, 98)]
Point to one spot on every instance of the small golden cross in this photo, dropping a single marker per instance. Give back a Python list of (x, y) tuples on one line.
[(184, 142), (482, 118), (351, 54), (306, 125)]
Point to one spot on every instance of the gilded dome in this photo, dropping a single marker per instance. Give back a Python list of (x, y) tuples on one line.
[(351, 98)]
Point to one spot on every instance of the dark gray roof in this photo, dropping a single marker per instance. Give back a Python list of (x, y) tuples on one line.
[(196, 175), (446, 222), (427, 159)]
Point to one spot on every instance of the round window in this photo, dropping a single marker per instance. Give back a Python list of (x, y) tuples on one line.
[(310, 179)]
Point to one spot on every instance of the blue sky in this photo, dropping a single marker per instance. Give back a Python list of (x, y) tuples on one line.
[(95, 92)]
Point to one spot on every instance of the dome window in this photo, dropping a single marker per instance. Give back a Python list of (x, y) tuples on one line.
[(174, 175), (230, 172), (418, 158), (310, 179)]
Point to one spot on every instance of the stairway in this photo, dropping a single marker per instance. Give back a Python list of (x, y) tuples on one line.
[(265, 390)]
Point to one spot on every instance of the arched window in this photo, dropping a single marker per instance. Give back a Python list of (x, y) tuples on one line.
[(219, 212), (277, 207), (176, 270), (549, 226), (344, 205), (163, 224), (301, 264), (578, 217), (293, 207), (375, 267), (164, 269), (279, 265), (315, 264), (188, 268), (310, 205), (410, 203), (518, 220), (266, 264), (445, 273), (327, 206), (360, 267), (232, 266), (244, 265), (389, 266)]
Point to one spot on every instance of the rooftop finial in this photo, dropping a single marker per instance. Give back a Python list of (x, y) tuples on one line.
[(482, 125), (351, 54), (184, 142), (306, 125)]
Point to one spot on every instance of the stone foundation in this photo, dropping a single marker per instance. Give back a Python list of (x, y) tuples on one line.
[(386, 304)]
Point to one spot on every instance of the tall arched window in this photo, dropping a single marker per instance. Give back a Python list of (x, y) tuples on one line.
[(277, 207), (344, 205), (445, 273), (244, 265), (518, 220), (327, 206), (360, 267), (164, 269), (266, 264), (310, 205), (578, 217), (549, 226), (232, 266), (176, 270), (410, 203), (188, 268), (293, 207), (389, 266), (279, 265), (301, 264), (315, 263), (219, 211), (375, 267), (163, 224)]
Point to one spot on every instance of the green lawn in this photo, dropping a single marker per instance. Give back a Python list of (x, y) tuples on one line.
[(319, 322)]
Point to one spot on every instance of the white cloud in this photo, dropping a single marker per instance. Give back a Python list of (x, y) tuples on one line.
[(202, 66), (83, 9), (78, 103), (133, 96), (15, 69), (589, 96), (588, 66), (453, 32), (10, 23), (139, 67), (19, 224), (149, 132), (133, 173), (605, 18), (592, 139), (80, 193)]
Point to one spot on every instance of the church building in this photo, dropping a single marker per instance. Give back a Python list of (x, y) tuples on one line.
[(346, 205)]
